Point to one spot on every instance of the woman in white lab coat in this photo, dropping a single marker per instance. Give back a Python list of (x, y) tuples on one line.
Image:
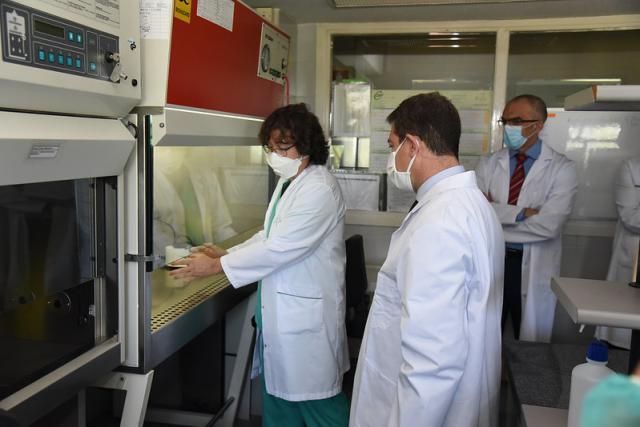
[(625, 243), (430, 356), (299, 258), (549, 188)]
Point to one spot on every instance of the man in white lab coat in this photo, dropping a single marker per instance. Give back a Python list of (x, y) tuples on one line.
[(625, 243), (532, 189), (431, 349), (299, 258)]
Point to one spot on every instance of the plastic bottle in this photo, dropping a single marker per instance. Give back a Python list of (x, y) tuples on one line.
[(585, 376)]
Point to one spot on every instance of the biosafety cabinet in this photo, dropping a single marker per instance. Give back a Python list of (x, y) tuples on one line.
[(69, 71), (212, 71)]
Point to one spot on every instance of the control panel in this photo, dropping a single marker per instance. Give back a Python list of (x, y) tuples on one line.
[(37, 39)]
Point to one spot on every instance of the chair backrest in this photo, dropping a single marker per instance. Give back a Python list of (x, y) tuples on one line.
[(355, 272)]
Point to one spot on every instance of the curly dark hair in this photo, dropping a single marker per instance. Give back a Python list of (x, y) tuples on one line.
[(304, 128), (433, 118)]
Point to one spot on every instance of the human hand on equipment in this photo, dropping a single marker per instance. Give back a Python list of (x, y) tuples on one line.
[(210, 250), (197, 265), (528, 212)]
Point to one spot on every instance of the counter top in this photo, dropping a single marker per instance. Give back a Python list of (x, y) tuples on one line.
[(599, 302)]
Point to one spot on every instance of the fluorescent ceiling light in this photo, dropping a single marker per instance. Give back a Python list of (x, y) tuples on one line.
[(561, 82), (593, 80), (451, 45), (452, 80)]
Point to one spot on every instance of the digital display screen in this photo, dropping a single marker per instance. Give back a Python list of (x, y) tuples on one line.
[(46, 28)]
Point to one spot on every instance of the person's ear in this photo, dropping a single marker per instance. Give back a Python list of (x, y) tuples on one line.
[(415, 144)]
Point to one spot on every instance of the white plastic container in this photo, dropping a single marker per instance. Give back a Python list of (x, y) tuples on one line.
[(585, 376)]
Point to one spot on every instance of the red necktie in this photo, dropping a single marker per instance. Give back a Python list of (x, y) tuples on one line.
[(517, 179)]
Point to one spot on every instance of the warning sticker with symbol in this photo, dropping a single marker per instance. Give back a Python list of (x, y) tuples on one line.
[(182, 10)]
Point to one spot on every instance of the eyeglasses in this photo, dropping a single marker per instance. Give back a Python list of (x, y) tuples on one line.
[(515, 121), (278, 148)]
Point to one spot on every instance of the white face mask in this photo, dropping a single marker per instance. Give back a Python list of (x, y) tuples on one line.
[(284, 166), (402, 180)]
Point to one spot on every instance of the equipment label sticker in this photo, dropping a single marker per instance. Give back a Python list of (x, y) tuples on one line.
[(182, 10), (220, 12), (102, 11), (44, 151)]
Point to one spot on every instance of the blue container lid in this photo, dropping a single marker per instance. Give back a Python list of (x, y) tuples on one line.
[(598, 351)]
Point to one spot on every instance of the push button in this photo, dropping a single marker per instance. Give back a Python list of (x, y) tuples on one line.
[(42, 56), (69, 61), (52, 57), (79, 37), (78, 63), (60, 59), (93, 66), (70, 36)]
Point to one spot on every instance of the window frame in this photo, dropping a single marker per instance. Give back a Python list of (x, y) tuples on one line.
[(501, 28)]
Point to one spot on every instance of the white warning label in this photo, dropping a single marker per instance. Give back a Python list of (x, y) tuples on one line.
[(103, 11)]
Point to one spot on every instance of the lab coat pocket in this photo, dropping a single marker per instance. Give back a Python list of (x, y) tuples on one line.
[(298, 314)]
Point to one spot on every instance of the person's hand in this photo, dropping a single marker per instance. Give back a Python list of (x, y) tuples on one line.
[(210, 250), (529, 212), (197, 265)]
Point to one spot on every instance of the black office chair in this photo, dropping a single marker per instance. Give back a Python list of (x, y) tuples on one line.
[(356, 283)]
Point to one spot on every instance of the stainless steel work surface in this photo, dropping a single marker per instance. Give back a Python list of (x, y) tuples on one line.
[(173, 298), (599, 302)]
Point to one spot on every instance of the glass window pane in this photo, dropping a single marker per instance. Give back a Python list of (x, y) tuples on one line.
[(554, 65), (458, 65), (202, 195), (46, 278)]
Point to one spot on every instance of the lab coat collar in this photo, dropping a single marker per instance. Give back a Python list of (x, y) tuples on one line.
[(533, 152), (458, 180), (543, 153), (503, 160), (295, 182), (546, 155), (431, 182)]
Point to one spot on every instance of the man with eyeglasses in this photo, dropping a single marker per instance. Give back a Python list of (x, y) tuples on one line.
[(532, 189), (299, 261)]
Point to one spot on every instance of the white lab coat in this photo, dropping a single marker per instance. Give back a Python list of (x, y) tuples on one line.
[(169, 214), (302, 268), (431, 349), (625, 242), (550, 186)]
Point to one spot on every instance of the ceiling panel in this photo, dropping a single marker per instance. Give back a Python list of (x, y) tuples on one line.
[(313, 11), (381, 3)]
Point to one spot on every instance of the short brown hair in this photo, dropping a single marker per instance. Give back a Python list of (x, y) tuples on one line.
[(433, 118)]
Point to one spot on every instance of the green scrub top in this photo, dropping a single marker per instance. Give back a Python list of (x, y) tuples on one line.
[(272, 214)]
